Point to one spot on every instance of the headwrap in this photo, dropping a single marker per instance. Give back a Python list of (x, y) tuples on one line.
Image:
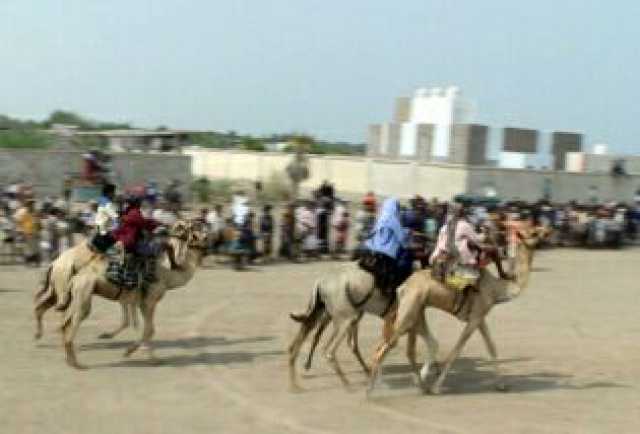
[(240, 209)]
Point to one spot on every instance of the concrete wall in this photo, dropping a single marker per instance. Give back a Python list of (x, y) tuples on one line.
[(405, 178), (601, 163), (46, 170), (563, 186)]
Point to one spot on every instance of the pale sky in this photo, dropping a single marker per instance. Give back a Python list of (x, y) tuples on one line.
[(327, 68)]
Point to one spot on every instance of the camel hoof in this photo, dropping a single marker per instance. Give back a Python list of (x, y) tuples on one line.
[(435, 390), (307, 366), (417, 380), (424, 373), (37, 336), (130, 350), (105, 336), (502, 387), (76, 365), (295, 389)]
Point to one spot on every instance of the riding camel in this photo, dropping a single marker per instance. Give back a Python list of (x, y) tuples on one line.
[(341, 297), (189, 247), (55, 289), (422, 290)]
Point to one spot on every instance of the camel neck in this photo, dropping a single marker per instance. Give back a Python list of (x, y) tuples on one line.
[(523, 267)]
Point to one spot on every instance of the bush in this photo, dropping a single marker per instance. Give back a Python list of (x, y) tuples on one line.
[(202, 189), (221, 189), (24, 139)]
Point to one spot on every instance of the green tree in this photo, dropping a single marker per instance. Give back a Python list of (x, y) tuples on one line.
[(202, 189), (252, 144)]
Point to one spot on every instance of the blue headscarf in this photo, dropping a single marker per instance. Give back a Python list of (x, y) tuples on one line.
[(388, 235)]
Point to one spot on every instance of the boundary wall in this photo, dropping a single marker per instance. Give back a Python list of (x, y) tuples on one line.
[(405, 178), (46, 170)]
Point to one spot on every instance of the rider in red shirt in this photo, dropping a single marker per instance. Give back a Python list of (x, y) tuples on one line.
[(132, 223)]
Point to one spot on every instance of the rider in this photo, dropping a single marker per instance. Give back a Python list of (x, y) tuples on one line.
[(106, 219), (386, 253), (458, 245), (130, 235)]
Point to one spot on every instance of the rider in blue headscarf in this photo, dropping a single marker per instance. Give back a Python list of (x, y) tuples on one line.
[(386, 251), (388, 235)]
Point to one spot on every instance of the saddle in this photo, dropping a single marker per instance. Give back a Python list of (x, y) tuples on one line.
[(453, 275), (132, 271)]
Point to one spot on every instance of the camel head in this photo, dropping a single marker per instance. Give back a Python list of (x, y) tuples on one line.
[(181, 230), (526, 243), (198, 239)]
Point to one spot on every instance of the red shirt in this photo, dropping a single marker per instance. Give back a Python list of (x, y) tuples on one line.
[(131, 224)]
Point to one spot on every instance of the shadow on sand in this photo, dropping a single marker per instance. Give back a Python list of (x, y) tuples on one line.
[(202, 357), (474, 375), (184, 343)]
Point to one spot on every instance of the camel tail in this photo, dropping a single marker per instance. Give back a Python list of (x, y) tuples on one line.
[(316, 306)]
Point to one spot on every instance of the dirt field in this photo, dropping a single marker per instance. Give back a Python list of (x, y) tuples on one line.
[(570, 349)]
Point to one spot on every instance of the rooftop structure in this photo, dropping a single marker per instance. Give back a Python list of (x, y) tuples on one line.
[(438, 125), (142, 140)]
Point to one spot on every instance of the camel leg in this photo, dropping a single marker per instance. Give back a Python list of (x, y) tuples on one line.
[(471, 326), (294, 350), (147, 307), (338, 336), (493, 353), (432, 348), (124, 323), (355, 348), (134, 316), (411, 355), (42, 306), (378, 358), (387, 327), (78, 310), (316, 339)]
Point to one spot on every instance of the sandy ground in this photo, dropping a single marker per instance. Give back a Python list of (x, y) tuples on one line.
[(569, 346)]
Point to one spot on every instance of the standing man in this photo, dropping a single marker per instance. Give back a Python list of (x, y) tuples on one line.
[(106, 219)]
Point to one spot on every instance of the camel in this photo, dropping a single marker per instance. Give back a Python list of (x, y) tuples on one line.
[(55, 289), (341, 298), (91, 279), (422, 290)]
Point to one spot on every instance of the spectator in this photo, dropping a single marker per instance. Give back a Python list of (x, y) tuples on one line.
[(28, 225), (266, 231), (287, 232), (341, 223), (215, 224)]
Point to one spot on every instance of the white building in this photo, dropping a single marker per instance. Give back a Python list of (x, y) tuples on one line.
[(441, 108), (437, 125)]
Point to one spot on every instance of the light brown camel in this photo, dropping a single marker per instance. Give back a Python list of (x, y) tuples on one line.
[(55, 289), (421, 290), (91, 280), (341, 298)]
